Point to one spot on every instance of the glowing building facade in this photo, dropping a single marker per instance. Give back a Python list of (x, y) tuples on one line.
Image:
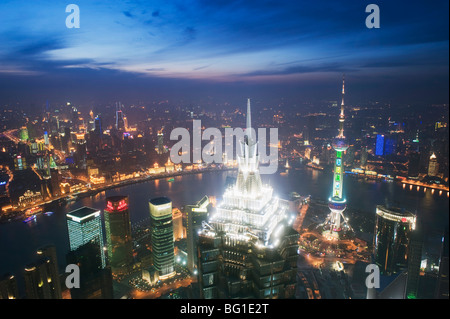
[(162, 236), (247, 247), (85, 224), (118, 233), (392, 238)]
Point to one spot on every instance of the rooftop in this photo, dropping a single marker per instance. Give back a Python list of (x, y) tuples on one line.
[(83, 212)]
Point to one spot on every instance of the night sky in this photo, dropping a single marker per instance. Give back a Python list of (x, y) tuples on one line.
[(223, 50)]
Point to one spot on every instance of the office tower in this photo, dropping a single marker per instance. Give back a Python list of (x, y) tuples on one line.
[(46, 140), (309, 132), (392, 237), (120, 123), (85, 224), (20, 163), (95, 280), (442, 284), (23, 134), (390, 144), (208, 255), (178, 228), (161, 149), (414, 260), (433, 166), (42, 277), (67, 140), (414, 165), (118, 233), (247, 240), (337, 203), (195, 214), (8, 287), (379, 145), (364, 157), (98, 125), (49, 252), (55, 182), (162, 236)]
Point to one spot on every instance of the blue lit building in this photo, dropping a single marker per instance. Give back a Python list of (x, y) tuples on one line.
[(85, 224)]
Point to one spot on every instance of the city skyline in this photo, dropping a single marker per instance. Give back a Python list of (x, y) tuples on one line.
[(352, 177)]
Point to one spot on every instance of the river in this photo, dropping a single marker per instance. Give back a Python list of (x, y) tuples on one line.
[(19, 241)]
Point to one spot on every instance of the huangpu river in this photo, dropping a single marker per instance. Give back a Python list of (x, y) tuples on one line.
[(19, 240)]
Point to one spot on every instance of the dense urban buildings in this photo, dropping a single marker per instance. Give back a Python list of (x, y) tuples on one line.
[(95, 204)]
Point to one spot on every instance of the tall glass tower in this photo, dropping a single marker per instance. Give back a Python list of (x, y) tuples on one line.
[(335, 221), (162, 236), (118, 233), (85, 224), (247, 241), (392, 236)]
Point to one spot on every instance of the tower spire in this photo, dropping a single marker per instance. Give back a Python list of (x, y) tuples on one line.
[(342, 116), (249, 118)]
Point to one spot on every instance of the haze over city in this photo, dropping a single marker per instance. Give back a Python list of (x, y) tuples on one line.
[(225, 50)]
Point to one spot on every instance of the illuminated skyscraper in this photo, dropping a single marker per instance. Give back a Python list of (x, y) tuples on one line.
[(162, 236), (433, 166), (49, 252), (42, 277), (118, 233), (195, 214), (120, 123), (337, 202), (392, 238), (8, 287), (85, 224), (247, 241), (160, 148)]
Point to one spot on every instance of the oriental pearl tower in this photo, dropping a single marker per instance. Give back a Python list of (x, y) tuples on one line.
[(336, 222)]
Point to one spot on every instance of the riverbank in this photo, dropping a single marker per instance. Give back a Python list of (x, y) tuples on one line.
[(21, 213)]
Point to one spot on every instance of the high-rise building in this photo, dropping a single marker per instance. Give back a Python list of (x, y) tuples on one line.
[(162, 236), (414, 165), (247, 247), (414, 261), (433, 166), (392, 237), (118, 233), (85, 224), (23, 133), (442, 284), (161, 149), (98, 125), (8, 287), (179, 232), (120, 123), (42, 277), (195, 214), (95, 280), (337, 203), (379, 145), (49, 252), (20, 163)]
